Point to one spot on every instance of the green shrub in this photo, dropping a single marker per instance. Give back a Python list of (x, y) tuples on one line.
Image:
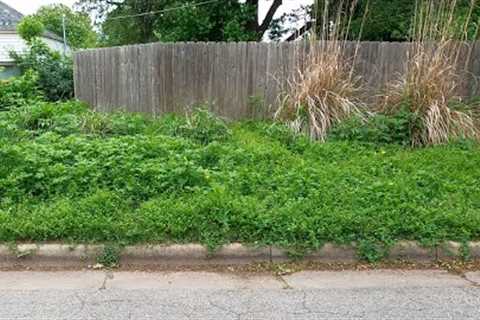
[(203, 127), (30, 28), (285, 136), (19, 91), (55, 71), (377, 129)]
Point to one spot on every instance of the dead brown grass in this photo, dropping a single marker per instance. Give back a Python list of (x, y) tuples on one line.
[(324, 92)]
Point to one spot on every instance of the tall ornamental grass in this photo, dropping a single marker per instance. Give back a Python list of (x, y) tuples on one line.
[(433, 72), (325, 91)]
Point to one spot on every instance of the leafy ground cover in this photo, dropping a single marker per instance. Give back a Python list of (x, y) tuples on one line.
[(73, 175)]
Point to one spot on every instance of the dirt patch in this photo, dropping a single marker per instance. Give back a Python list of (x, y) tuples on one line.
[(454, 266)]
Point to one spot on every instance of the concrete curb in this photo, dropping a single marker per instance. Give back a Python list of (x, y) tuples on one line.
[(63, 256)]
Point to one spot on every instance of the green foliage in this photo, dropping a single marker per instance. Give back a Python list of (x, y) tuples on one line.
[(110, 256), (387, 20), (125, 22), (220, 22), (378, 129), (55, 71), (19, 91), (203, 127), (391, 20), (190, 24), (79, 30), (71, 174), (30, 28)]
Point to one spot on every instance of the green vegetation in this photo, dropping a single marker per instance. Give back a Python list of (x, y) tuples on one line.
[(391, 20), (30, 28), (78, 26), (128, 21), (420, 108), (70, 174), (53, 70), (386, 20), (20, 91), (110, 257), (73, 175), (44, 69)]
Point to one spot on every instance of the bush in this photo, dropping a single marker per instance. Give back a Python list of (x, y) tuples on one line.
[(30, 28), (19, 91), (55, 71), (203, 127), (379, 129)]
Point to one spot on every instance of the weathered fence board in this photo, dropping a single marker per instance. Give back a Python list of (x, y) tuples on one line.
[(237, 80)]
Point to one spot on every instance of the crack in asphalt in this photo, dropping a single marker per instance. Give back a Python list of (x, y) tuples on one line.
[(108, 276), (304, 302), (211, 298), (286, 285), (472, 282), (83, 303)]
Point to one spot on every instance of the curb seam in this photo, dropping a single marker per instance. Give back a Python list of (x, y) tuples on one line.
[(63, 255)]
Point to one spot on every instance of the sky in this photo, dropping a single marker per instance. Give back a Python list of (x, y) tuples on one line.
[(30, 6)]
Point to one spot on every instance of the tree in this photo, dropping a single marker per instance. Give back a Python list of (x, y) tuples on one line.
[(79, 29), (226, 21), (30, 28), (142, 21), (385, 21)]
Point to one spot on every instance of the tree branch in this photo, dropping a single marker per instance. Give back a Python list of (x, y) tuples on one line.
[(269, 17), (300, 32), (114, 3)]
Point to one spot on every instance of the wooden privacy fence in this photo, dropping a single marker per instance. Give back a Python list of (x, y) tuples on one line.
[(238, 80)]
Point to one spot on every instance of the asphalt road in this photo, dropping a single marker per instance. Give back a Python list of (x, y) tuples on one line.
[(202, 295)]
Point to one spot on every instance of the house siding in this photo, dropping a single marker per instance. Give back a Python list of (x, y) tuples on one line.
[(13, 42)]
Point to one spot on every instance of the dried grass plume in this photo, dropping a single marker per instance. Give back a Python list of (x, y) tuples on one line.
[(325, 91), (432, 75)]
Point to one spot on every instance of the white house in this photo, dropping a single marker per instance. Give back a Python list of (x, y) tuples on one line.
[(10, 40)]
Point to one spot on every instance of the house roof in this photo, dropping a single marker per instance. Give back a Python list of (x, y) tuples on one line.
[(9, 17)]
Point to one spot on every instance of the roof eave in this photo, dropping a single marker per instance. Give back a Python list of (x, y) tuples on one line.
[(47, 34)]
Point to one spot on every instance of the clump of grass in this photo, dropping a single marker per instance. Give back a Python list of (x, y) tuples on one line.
[(325, 92), (432, 76), (110, 257), (204, 127)]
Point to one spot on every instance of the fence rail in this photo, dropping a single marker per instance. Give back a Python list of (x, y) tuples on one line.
[(238, 80)]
